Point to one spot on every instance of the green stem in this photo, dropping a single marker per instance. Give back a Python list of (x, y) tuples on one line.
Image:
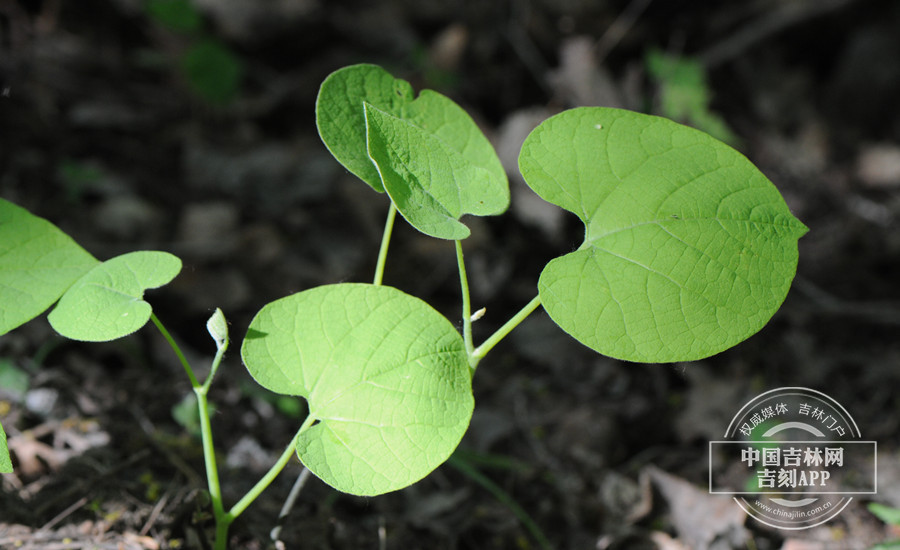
[(222, 535), (176, 349), (385, 242), (209, 455), (273, 472), (215, 365), (466, 304), (209, 450), (501, 333)]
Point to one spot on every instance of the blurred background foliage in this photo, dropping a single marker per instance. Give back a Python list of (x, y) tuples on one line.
[(188, 126)]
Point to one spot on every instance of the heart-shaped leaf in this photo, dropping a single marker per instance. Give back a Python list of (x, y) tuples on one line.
[(426, 152), (38, 262), (341, 120), (689, 249), (385, 376), (5, 462), (431, 183), (106, 303)]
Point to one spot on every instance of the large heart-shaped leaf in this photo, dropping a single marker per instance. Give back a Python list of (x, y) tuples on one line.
[(38, 262), (107, 302), (386, 377), (689, 249), (5, 462), (426, 152)]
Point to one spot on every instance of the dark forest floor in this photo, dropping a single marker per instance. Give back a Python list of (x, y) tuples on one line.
[(103, 134)]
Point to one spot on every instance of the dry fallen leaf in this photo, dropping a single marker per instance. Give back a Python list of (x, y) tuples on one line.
[(699, 517), (664, 542), (879, 165)]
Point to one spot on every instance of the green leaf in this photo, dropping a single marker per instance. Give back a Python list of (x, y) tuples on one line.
[(14, 382), (431, 183), (395, 142), (38, 262), (5, 462), (187, 414), (340, 115), (213, 72), (886, 514), (684, 93), (688, 248), (218, 328), (385, 376), (178, 15), (106, 303)]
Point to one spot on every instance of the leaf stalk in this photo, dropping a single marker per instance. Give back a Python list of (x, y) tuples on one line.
[(466, 305), (482, 350), (176, 349), (385, 243)]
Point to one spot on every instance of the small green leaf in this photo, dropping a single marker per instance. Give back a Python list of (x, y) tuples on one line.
[(886, 514), (106, 303), (213, 71), (5, 461), (431, 183), (187, 414), (14, 382), (38, 262), (684, 93), (178, 15), (688, 248), (425, 151), (218, 328), (385, 376)]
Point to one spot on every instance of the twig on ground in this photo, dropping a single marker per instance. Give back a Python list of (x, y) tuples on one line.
[(289, 504), (64, 514), (623, 23), (823, 302), (787, 15)]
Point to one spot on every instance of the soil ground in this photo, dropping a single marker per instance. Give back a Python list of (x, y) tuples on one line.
[(103, 132)]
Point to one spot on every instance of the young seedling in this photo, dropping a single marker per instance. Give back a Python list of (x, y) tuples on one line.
[(688, 250), (890, 516)]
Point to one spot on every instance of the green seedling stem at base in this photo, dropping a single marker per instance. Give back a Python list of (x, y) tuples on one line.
[(688, 251)]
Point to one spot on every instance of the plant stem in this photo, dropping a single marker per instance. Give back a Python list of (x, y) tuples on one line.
[(209, 455), (215, 365), (466, 304), (273, 472), (176, 349), (209, 449), (222, 535), (385, 242), (501, 333)]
